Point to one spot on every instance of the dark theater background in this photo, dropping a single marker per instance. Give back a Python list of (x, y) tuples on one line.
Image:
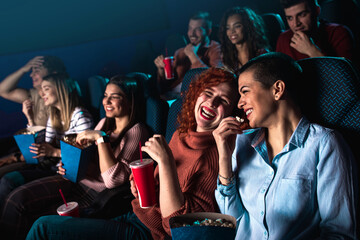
[(111, 36)]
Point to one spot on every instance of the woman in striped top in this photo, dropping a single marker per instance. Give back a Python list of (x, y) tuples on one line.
[(61, 94), (185, 175)]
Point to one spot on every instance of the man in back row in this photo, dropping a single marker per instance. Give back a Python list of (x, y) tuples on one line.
[(310, 37), (34, 108), (200, 52)]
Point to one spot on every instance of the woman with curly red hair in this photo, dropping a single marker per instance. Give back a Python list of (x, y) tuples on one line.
[(185, 175)]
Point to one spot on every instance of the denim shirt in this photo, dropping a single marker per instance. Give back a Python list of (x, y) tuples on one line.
[(306, 192)]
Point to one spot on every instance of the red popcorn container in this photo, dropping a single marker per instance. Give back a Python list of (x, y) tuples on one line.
[(143, 172), (169, 73)]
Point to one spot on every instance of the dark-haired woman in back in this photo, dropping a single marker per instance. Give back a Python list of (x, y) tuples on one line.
[(242, 37)]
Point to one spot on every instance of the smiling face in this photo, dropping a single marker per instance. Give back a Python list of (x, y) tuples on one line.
[(213, 105), (37, 75), (196, 32), (49, 94), (234, 29), (115, 102), (257, 101), (300, 18)]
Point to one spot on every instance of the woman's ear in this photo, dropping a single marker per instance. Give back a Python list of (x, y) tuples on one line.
[(278, 89)]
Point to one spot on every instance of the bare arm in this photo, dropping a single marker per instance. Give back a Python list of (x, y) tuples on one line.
[(8, 87), (191, 52), (106, 155), (171, 196), (28, 111), (225, 136)]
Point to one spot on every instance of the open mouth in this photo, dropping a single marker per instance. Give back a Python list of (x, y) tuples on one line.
[(248, 112), (109, 109), (207, 113)]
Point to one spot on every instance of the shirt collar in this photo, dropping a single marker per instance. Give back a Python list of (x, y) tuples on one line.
[(297, 139)]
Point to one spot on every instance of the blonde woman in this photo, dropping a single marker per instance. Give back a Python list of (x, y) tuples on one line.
[(60, 94)]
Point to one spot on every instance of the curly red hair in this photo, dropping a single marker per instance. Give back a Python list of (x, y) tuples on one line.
[(209, 78)]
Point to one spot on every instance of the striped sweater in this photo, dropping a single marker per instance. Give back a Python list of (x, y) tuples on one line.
[(126, 152), (81, 120), (197, 162)]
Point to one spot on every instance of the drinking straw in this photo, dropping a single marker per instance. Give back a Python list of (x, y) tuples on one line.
[(166, 52), (62, 195), (141, 159)]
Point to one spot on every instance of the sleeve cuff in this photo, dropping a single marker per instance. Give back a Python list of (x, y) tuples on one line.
[(226, 190)]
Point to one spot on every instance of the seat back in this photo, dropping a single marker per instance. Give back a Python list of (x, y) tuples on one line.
[(175, 107), (173, 42), (274, 26), (96, 86), (332, 87), (156, 109)]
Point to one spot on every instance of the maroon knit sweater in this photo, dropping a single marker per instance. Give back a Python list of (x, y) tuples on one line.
[(197, 162)]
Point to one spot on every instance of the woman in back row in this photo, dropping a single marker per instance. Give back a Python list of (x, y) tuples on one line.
[(242, 36)]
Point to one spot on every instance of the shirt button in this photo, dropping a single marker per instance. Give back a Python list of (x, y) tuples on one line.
[(262, 190), (262, 213), (265, 233)]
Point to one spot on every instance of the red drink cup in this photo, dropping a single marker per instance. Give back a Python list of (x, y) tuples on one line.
[(72, 209), (169, 73), (143, 172)]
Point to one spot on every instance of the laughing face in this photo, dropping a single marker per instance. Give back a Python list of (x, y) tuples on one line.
[(257, 101), (115, 102), (49, 94), (213, 105), (234, 29), (37, 75), (196, 32)]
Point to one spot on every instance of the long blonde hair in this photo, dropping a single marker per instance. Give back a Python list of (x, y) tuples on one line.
[(67, 92)]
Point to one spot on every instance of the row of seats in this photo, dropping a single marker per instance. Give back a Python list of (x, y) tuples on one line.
[(332, 87), (331, 83)]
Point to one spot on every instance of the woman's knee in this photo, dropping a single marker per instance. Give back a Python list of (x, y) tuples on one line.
[(38, 229), (12, 180), (8, 183)]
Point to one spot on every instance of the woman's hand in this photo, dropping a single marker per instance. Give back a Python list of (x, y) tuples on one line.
[(225, 136), (133, 188), (27, 108), (158, 149), (61, 170), (159, 62), (87, 136), (44, 149)]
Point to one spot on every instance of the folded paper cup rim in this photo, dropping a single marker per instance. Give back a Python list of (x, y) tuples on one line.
[(140, 164), (35, 128)]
